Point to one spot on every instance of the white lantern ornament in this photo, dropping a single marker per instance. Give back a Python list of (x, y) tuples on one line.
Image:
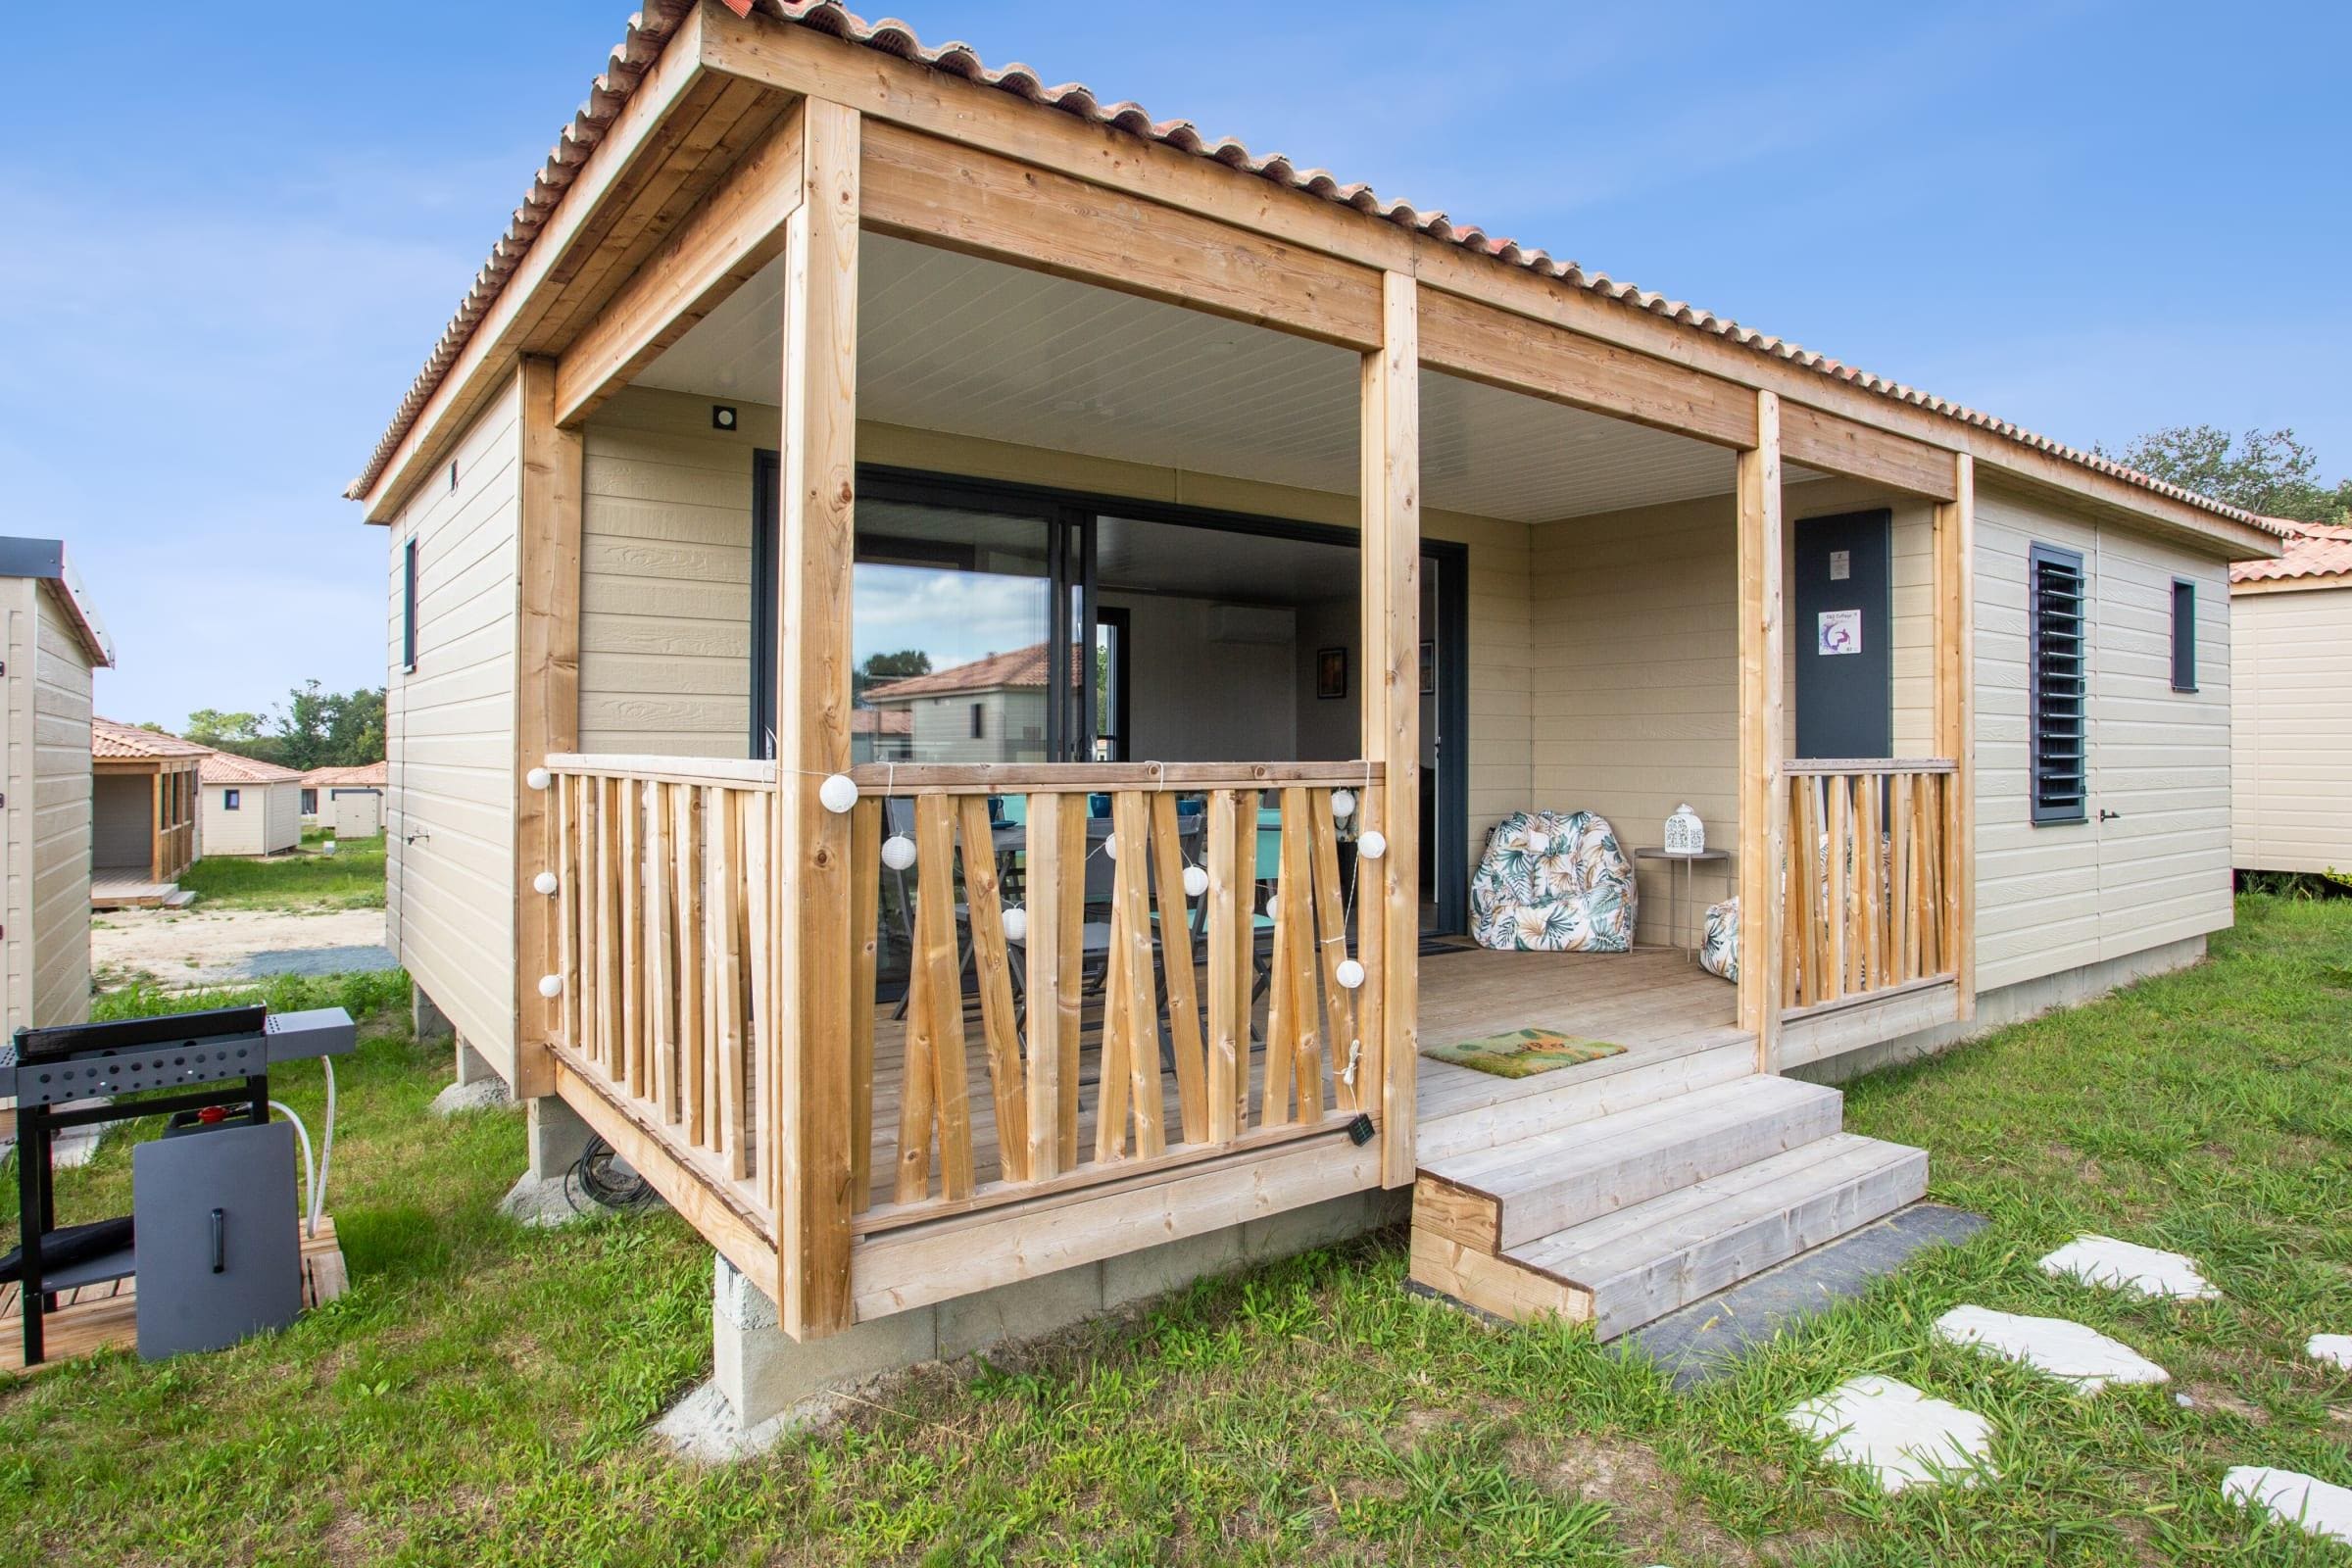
[(1016, 924), (897, 851), (1342, 804), (1195, 881), (1372, 845), (1349, 973), (838, 793), (1685, 834)]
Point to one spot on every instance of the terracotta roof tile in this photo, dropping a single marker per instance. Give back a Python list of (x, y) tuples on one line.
[(1023, 667), (109, 739), (228, 768), (652, 28), (371, 776), (2312, 549)]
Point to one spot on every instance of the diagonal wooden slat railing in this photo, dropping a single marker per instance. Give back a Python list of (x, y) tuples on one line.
[(1137, 1027), (1868, 905), (660, 864)]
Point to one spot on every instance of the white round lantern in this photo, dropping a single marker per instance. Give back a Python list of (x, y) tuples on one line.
[(1016, 924), (1349, 974), (1111, 846), (537, 778), (545, 882), (838, 793), (897, 851), (1273, 905), (1342, 804), (1195, 881), (1685, 834), (551, 986), (1373, 845)]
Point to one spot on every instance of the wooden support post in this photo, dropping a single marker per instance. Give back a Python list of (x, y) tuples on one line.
[(1389, 449), (1763, 815), (813, 554), (1955, 722), (546, 701)]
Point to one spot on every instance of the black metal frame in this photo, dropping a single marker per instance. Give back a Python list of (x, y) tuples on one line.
[(2037, 557)]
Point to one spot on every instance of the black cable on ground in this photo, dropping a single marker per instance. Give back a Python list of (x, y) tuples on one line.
[(599, 1175)]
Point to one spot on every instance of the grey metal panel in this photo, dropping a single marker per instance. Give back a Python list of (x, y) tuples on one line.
[(1844, 701), (219, 1247), (32, 557), (313, 1032)]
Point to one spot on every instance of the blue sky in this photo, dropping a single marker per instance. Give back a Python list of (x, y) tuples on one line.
[(227, 251)]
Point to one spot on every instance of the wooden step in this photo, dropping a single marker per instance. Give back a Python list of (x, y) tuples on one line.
[(1643, 1261), (1498, 1199), (1468, 1122)]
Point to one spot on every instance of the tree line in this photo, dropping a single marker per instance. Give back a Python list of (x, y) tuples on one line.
[(312, 727)]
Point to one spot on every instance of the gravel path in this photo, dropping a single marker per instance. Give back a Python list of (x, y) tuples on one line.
[(193, 947)]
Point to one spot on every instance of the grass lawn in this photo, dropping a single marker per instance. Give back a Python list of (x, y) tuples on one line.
[(480, 1395), (352, 878)]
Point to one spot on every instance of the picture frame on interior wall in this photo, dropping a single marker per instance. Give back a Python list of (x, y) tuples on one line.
[(1429, 668), (1330, 672)]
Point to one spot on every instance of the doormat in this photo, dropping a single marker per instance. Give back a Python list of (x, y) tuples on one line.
[(1524, 1052)]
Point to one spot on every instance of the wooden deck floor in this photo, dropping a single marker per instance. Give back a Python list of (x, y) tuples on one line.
[(1655, 1003), (115, 889)]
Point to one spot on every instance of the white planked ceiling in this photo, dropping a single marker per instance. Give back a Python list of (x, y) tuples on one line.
[(947, 342)]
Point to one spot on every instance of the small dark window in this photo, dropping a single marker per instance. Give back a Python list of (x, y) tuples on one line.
[(310, 803), (2057, 676), (407, 606), (979, 722), (453, 476), (231, 799), (2184, 635)]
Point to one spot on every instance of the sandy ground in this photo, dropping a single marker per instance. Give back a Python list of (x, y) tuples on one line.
[(193, 947)]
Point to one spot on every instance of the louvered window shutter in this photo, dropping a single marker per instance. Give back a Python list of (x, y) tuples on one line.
[(2059, 670)]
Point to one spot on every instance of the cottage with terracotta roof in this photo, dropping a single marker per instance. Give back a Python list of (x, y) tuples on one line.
[(144, 812), (1383, 584), (2291, 705), (251, 808), (50, 641), (348, 801)]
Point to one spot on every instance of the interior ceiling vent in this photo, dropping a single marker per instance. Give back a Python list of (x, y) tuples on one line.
[(1252, 623)]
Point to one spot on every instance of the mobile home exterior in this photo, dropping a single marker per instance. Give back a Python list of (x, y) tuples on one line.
[(52, 641), (2291, 684), (251, 808), (144, 811), (760, 388)]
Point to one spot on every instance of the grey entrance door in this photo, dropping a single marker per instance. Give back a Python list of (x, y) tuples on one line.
[(1842, 629)]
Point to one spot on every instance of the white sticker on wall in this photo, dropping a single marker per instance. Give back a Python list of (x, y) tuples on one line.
[(1840, 631), (1841, 565)]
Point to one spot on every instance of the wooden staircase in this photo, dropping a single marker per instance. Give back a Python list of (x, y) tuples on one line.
[(1617, 1204)]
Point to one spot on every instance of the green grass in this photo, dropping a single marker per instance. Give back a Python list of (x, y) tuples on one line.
[(352, 878), (480, 1396)]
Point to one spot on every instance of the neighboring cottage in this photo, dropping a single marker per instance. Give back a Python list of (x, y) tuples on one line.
[(52, 641), (143, 811), (991, 709), (2290, 710), (348, 801), (249, 807)]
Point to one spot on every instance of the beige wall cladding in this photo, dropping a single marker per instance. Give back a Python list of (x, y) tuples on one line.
[(2060, 896), (45, 824), (449, 725), (2290, 735)]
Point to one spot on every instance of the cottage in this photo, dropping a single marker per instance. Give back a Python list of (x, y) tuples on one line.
[(348, 801), (2291, 705), (54, 640), (249, 807), (144, 811), (811, 346)]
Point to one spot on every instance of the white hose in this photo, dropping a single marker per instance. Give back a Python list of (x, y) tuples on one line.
[(313, 1178), (310, 1175)]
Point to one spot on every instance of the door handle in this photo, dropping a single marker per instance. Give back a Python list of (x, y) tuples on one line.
[(219, 1241), (2105, 816)]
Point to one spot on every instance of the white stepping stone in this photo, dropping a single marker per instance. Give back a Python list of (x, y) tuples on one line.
[(1902, 1437), (2307, 1502), (2104, 1261), (2331, 1348), (2072, 1352)]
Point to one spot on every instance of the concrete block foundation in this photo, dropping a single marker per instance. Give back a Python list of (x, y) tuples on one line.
[(767, 1380)]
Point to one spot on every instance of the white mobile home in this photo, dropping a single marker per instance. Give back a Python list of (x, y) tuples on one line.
[(2290, 683), (51, 639), (929, 359), (250, 808)]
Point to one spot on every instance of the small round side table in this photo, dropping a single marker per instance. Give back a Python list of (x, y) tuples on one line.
[(1682, 873)]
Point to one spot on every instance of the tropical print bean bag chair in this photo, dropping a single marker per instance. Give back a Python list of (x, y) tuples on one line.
[(1719, 950), (1553, 883)]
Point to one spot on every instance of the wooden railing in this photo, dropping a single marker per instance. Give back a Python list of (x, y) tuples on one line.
[(663, 907), (1869, 892), (1124, 1024)]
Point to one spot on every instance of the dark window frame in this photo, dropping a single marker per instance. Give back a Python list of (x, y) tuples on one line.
[(2051, 669), (233, 799), (1121, 622), (979, 722), (407, 607), (2184, 634), (308, 803)]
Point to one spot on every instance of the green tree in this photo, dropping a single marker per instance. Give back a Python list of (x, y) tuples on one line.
[(237, 732), (881, 668), (2269, 471), (318, 728)]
